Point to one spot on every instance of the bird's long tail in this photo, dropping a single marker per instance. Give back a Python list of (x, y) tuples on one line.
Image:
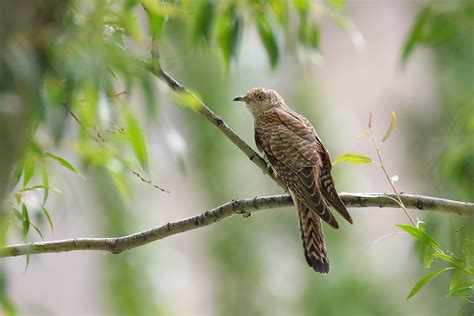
[(313, 239)]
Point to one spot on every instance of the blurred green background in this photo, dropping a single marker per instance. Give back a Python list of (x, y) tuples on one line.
[(79, 112)]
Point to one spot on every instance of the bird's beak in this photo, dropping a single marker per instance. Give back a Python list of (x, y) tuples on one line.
[(239, 99)]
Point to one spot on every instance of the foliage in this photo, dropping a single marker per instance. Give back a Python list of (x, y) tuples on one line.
[(85, 77), (463, 266)]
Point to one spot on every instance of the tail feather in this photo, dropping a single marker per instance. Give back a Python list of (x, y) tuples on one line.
[(313, 239)]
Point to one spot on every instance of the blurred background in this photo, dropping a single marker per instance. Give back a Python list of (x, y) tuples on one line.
[(415, 58)]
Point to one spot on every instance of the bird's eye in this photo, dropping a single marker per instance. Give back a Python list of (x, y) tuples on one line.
[(260, 96)]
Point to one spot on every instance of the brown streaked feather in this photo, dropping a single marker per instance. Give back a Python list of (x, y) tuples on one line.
[(326, 184), (313, 239), (330, 194), (291, 147)]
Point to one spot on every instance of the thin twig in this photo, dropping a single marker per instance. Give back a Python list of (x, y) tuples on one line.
[(382, 166), (237, 207), (148, 181), (101, 141)]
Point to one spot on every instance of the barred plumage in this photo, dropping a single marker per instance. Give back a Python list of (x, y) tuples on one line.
[(297, 155)]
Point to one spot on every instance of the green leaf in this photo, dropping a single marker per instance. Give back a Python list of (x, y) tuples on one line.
[(302, 6), (17, 175), (148, 88), (463, 289), (62, 161), (450, 259), (18, 214), (313, 39), (37, 187), (308, 34), (48, 216), (27, 263), (416, 33), (159, 8), (204, 19), (427, 253), (352, 158), (26, 220), (137, 140), (28, 170), (420, 235), (268, 39), (45, 183), (280, 9), (390, 128), (425, 280), (229, 29), (456, 279), (37, 230)]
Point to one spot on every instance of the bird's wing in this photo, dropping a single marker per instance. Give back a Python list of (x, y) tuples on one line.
[(291, 147), (326, 183), (329, 189)]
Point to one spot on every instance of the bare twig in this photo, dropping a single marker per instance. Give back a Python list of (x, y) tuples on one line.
[(148, 181), (117, 245), (382, 166), (101, 141)]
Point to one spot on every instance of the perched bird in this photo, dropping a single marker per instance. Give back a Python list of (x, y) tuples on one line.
[(296, 154)]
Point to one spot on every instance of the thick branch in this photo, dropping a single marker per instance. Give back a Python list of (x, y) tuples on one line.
[(121, 244)]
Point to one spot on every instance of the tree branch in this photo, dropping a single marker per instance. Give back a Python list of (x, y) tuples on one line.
[(155, 68), (244, 207)]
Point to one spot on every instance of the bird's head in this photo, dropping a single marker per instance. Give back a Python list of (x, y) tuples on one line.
[(259, 100)]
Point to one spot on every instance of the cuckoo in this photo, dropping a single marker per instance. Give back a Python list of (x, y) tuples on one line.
[(297, 156)]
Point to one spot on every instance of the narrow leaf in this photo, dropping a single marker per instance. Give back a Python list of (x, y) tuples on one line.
[(204, 20), (16, 175), (18, 214), (370, 121), (229, 30), (137, 140), (45, 183), (352, 158), (416, 33), (38, 187), (420, 235), (26, 220), (268, 39), (456, 279), (425, 280), (27, 263), (450, 259), (48, 216), (302, 6), (37, 230), (428, 256), (390, 128), (62, 161), (28, 170), (463, 289)]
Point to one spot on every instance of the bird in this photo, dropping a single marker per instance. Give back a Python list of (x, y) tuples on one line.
[(295, 153)]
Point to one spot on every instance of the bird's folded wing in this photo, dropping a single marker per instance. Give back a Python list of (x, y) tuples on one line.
[(292, 149)]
